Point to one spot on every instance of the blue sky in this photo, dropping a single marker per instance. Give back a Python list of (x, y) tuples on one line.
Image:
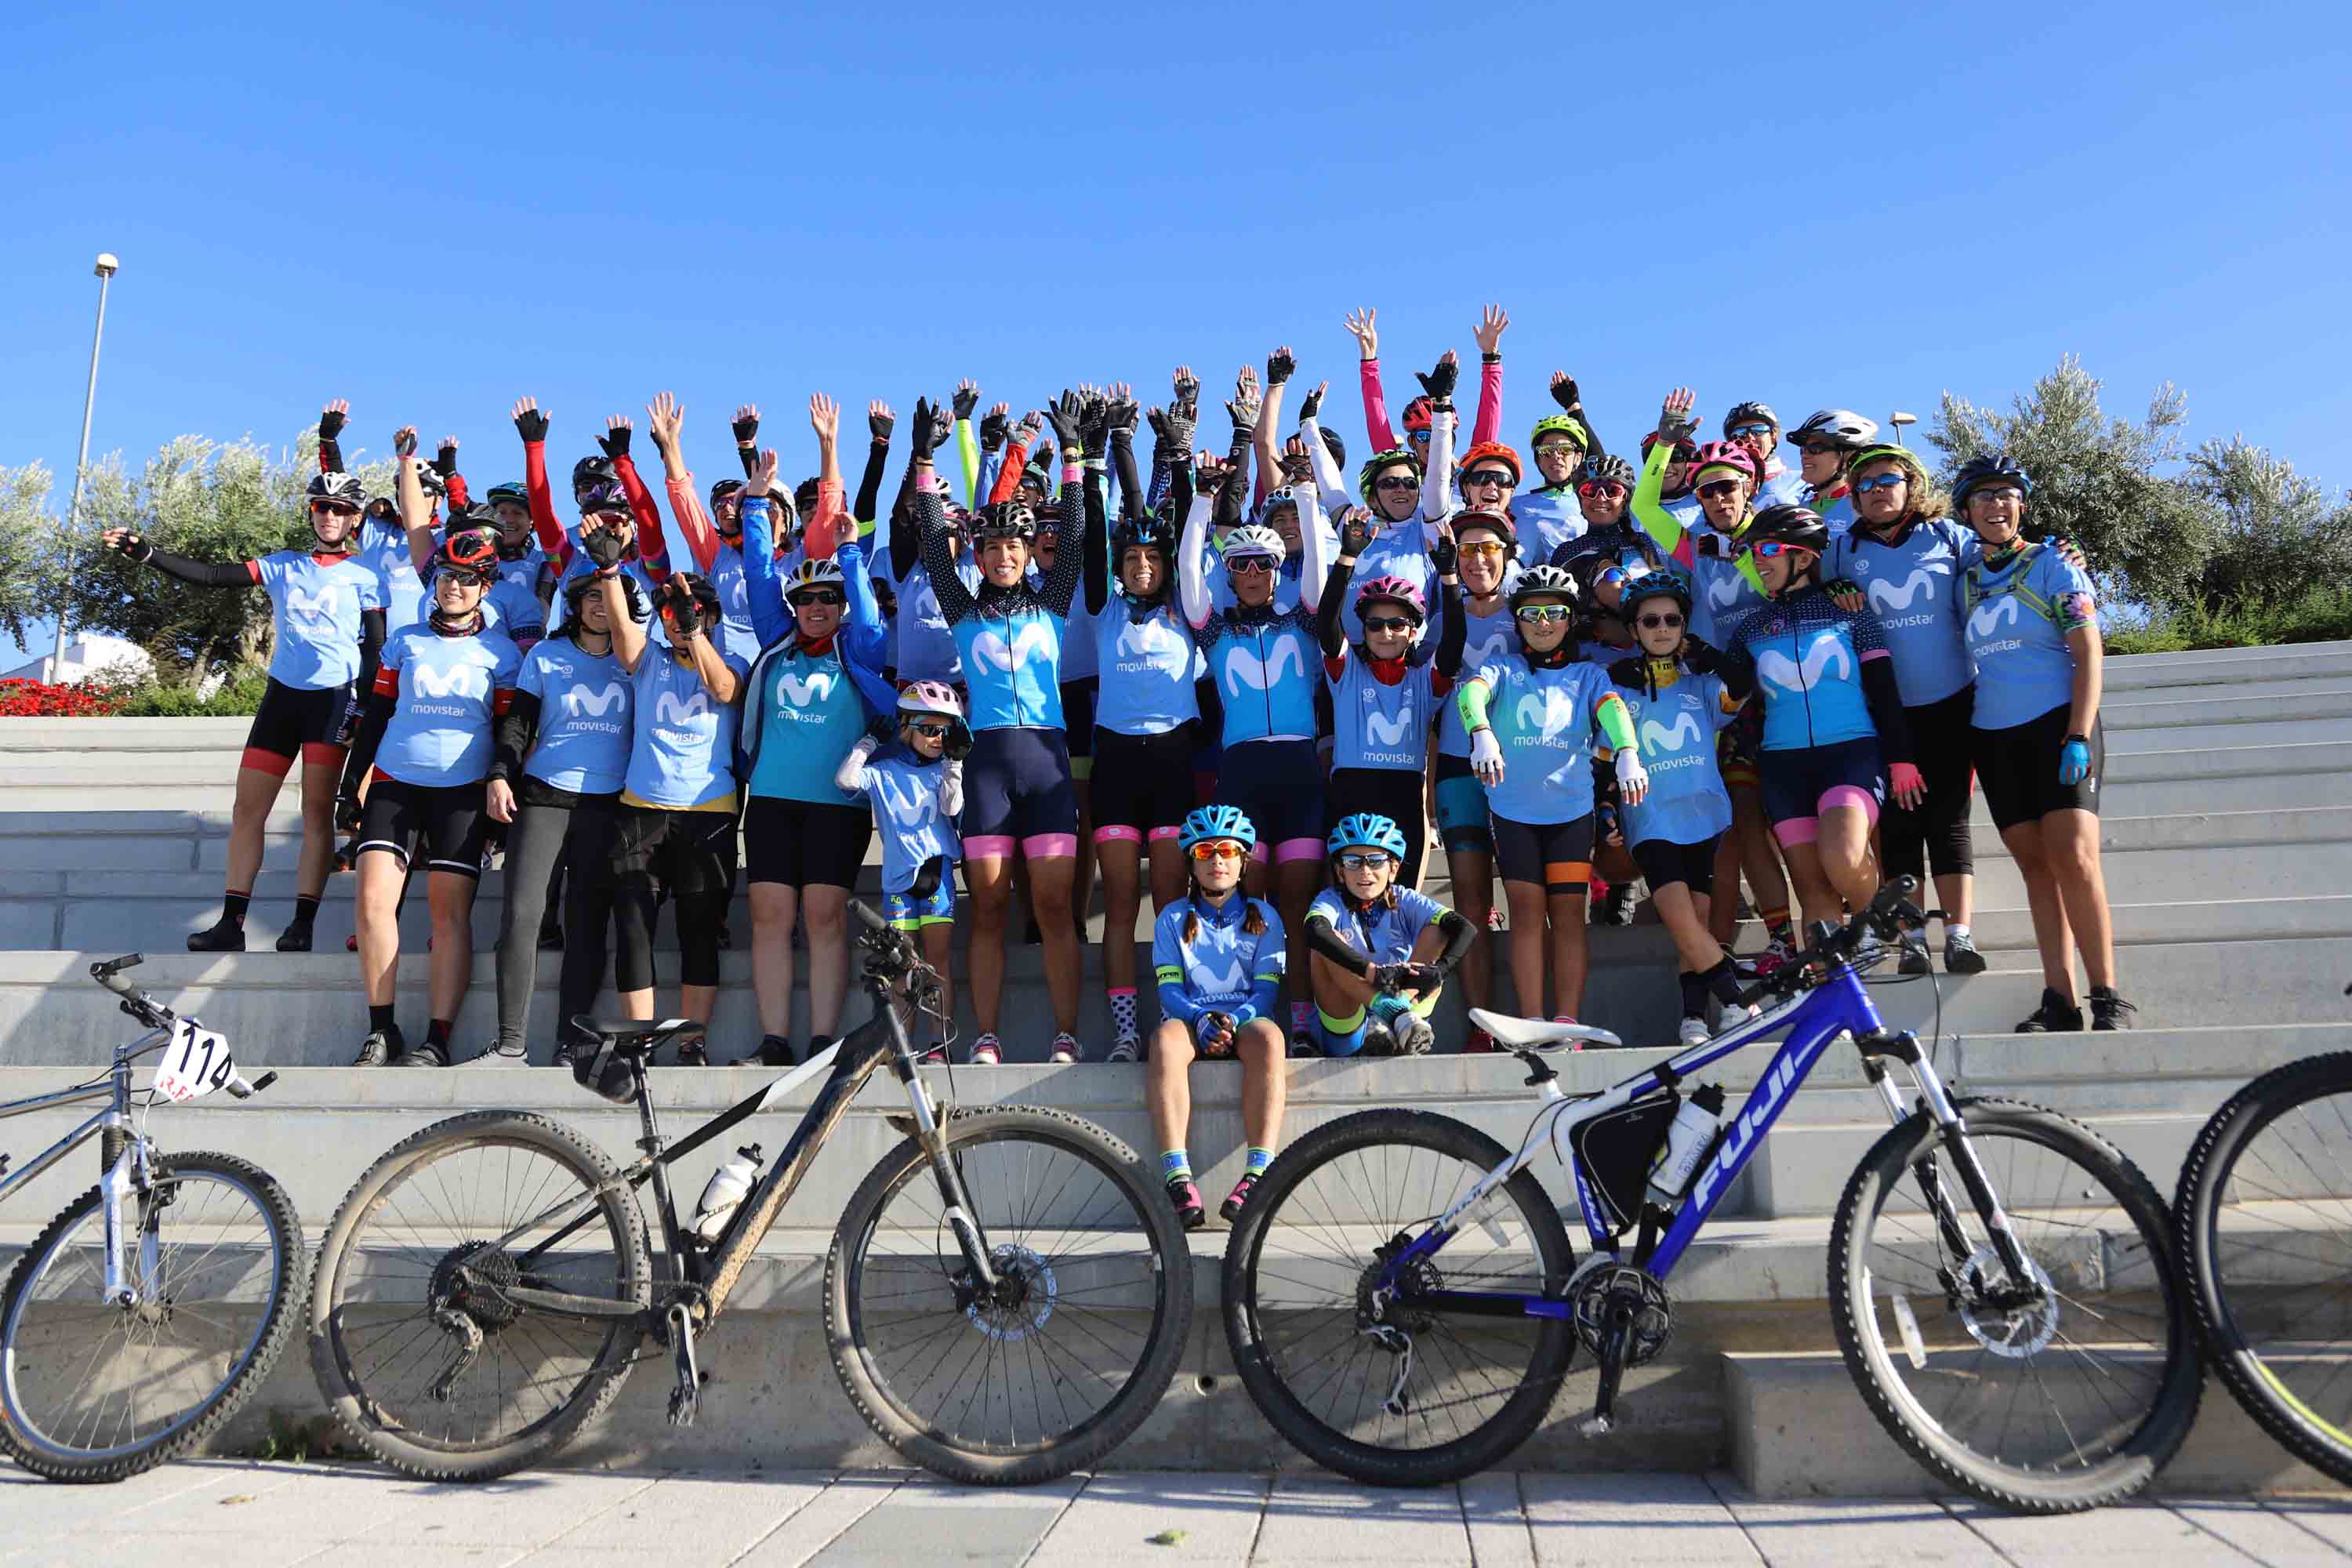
[(431, 209)]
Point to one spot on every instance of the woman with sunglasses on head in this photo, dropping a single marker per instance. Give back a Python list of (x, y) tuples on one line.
[(1826, 444), (327, 627), (1531, 715), (424, 746), (1381, 952), (2032, 620), (1835, 741)]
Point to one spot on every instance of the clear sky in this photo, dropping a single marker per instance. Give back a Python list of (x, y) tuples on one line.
[(433, 209)]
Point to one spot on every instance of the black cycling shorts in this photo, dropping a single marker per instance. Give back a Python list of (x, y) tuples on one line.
[(799, 843), (1016, 788), (1278, 784), (1078, 719), (674, 853), (1554, 855), (1793, 784), (1663, 862), (298, 722), (450, 819), (2018, 768), (1142, 784)]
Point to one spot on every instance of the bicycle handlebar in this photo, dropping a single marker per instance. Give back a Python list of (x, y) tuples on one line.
[(155, 1015), (1886, 914)]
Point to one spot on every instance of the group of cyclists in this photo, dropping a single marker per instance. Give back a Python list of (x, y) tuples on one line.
[(1234, 684)]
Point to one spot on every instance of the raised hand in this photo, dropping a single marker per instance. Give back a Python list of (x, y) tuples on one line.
[(1489, 330), (445, 457), (1245, 403), (1564, 393), (966, 397), (404, 442), (1297, 467), (615, 438), (604, 544), (763, 474), (128, 542), (1313, 403), (679, 609), (1442, 555), (747, 424), (824, 417), (1033, 425), (1442, 379), (664, 416), (996, 426), (1068, 414), (932, 427), (1207, 472), (1364, 326), (529, 420), (1279, 364), (1121, 409), (1187, 389), (333, 418), (1676, 423), (1355, 533), (1094, 422)]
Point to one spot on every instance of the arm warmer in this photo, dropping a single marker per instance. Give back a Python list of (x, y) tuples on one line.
[(870, 484), (763, 591), (1885, 701), (371, 648), (542, 504), (1097, 549), (1376, 407), (1122, 461), (1470, 703), (1327, 629), (518, 729), (1454, 634), (1322, 939), (1229, 495), (1191, 564), (375, 717), (203, 573), (1061, 584), (1459, 934), (1614, 719)]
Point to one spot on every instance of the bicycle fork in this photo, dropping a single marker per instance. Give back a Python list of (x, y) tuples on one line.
[(134, 1279), (1952, 1133)]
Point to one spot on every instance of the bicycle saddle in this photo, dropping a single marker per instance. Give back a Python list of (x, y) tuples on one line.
[(631, 1036), (1535, 1034)]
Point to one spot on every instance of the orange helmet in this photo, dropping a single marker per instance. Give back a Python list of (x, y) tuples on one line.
[(1492, 451)]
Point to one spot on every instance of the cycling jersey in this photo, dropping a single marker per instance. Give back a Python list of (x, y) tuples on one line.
[(808, 713), (1676, 723), (515, 610), (736, 633), (1009, 640), (1783, 486), (1549, 521), (446, 690), (921, 645), (1263, 664), (1398, 550), (1491, 635), (1724, 585), (315, 602), (682, 750), (585, 715), (1286, 579), (1907, 584), (905, 793), (1222, 968), (2018, 617), (1544, 720), (1148, 663), (1382, 934), (1377, 723), (1809, 658), (1833, 506), (524, 570), (382, 548)]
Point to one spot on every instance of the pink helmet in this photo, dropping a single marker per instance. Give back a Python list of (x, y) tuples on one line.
[(1395, 588), (930, 696), (1729, 455)]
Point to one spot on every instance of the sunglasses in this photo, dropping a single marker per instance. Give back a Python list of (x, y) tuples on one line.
[(1500, 478), (1738, 430), (929, 732), (1386, 623), (1879, 482), (1367, 860), (463, 579), (1595, 489), (338, 509), (1818, 450), (819, 596), (1536, 615), (1217, 849), (1421, 436), (1719, 488), (1396, 482), (2005, 492), (1482, 547), (1771, 549), (1250, 564), (1655, 621)]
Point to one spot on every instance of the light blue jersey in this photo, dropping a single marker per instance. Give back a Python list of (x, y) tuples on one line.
[(585, 723), (1265, 674), (1222, 968), (1909, 586), (905, 793), (2018, 618), (450, 689), (316, 602), (1382, 934), (1547, 519), (1148, 670), (810, 715), (1808, 656), (1675, 729), (683, 751), (1382, 724), (1490, 638), (1544, 720)]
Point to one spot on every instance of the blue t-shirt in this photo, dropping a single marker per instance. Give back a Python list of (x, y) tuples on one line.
[(1908, 586), (1382, 935), (810, 716), (448, 691), (1548, 520), (1674, 729), (1377, 725), (1808, 655), (2017, 620), (735, 634), (584, 721), (1146, 670), (921, 645), (1721, 594), (1265, 672), (905, 793), (315, 604), (682, 752), (1224, 969), (1489, 638), (383, 549), (1398, 550), (515, 610), (1544, 722)]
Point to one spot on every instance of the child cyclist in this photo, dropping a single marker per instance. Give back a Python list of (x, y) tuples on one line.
[(1678, 703), (1380, 952), (1218, 954), (917, 788)]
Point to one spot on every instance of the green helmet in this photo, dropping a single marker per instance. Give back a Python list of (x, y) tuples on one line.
[(1563, 423), (1395, 457)]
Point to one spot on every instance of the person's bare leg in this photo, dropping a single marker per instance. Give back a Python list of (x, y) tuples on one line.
[(1122, 885), (1955, 895), (1473, 898), (2070, 842), (256, 792), (1167, 873), (1264, 1081), (1296, 885), (1050, 883), (1568, 960), (1528, 942), (1816, 898), (1685, 921), (1843, 843), (989, 883), (1167, 1085), (319, 782), (935, 954), (2052, 934), (827, 912), (450, 896), (377, 918), (774, 907)]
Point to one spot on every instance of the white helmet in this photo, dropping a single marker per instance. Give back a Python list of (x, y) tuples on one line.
[(1253, 539)]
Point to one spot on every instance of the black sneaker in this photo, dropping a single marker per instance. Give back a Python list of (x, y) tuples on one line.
[(694, 1051), (293, 939), (2107, 1009), (382, 1048), (2056, 1015), (1914, 955), (428, 1055), (1191, 1211), (226, 936), (1616, 906), (1303, 1044), (775, 1051), (1960, 954)]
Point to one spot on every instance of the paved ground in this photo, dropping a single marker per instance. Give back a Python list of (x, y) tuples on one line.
[(240, 1515)]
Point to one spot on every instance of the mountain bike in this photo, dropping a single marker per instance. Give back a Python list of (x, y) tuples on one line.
[(2262, 1223), (1005, 1295), (141, 1317), (1402, 1300)]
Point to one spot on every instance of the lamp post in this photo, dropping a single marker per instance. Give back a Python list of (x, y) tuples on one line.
[(1899, 419), (106, 268)]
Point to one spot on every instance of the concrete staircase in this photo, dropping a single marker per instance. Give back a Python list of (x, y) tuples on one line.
[(2228, 834)]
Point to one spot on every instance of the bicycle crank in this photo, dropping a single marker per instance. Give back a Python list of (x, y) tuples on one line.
[(686, 1399)]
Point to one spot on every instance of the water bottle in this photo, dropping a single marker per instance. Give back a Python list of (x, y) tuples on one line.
[(1692, 1129), (727, 1189)]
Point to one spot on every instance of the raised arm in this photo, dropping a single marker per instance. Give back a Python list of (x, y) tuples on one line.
[(1191, 562), (1071, 413), (665, 415), (1437, 497), (415, 510), (531, 425), (1279, 364), (331, 419), (1321, 554), (201, 574), (938, 545), (763, 590), (1488, 427), (967, 398), (1365, 327), (1675, 425), (825, 418), (652, 548), (878, 422)]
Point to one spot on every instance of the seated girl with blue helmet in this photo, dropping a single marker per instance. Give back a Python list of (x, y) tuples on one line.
[(916, 784), (1380, 953), (1218, 954)]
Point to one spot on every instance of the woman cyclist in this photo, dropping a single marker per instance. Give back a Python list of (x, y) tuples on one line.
[(1835, 741), (1363, 326), (423, 747), (1826, 444), (1531, 714), (916, 786), (562, 751), (327, 627), (1017, 783), (2033, 626), (1381, 952), (1755, 426), (1551, 513), (714, 537), (1218, 956), (1487, 546), (809, 698)]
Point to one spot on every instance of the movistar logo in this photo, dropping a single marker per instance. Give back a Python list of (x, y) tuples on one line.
[(911, 811), (670, 711), (1481, 654), (1243, 669), (1827, 653), (1992, 613), (1725, 590), (800, 693), (1657, 737), (581, 702), (1227, 982), (323, 605), (1142, 640), (991, 649), (1548, 714), (1886, 595), (459, 680), (1387, 730)]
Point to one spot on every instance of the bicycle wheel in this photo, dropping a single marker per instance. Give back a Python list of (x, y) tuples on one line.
[(2264, 1223), (1305, 1251), (1077, 1345), (96, 1392), (452, 1386), (2065, 1395)]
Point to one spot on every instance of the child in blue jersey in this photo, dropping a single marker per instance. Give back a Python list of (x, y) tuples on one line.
[(916, 786), (2032, 621), (1218, 954), (328, 625), (423, 748), (1380, 952), (563, 752), (1677, 703), (1531, 715)]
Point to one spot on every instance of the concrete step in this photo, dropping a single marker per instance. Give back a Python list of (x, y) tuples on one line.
[(2327, 697), (2229, 666), (2258, 728)]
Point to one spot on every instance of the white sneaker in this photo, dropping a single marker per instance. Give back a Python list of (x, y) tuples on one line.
[(985, 1053), (1693, 1032), (1128, 1049), (1067, 1049)]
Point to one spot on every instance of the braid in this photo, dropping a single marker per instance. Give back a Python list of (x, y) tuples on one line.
[(1253, 921), (1192, 914)]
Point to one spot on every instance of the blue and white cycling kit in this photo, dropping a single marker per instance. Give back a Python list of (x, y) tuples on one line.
[(1224, 969), (905, 793), (450, 693), (1675, 726), (1384, 936), (1147, 664), (1549, 521), (682, 752), (2017, 617), (1380, 725), (585, 702), (1491, 635), (316, 606), (1808, 658), (1908, 584), (382, 548), (514, 610), (1545, 722)]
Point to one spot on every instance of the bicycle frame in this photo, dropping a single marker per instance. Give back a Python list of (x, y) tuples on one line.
[(125, 1170)]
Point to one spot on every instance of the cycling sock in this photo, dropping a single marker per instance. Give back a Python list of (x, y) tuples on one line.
[(233, 908), (437, 1032), (1301, 1015), (1175, 1164), (1776, 924), (1257, 1161), (1953, 928), (1694, 994), (306, 911), (1722, 981), (1122, 1012), (379, 1018)]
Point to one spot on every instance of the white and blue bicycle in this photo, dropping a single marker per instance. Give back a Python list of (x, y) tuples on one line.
[(1402, 1300)]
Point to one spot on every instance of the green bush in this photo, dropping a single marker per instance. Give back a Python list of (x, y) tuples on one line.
[(2318, 614), (240, 695)]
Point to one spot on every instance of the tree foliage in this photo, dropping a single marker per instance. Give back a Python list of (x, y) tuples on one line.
[(2272, 531), (27, 585)]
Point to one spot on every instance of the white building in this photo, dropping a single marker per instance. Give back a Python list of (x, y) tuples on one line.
[(87, 656)]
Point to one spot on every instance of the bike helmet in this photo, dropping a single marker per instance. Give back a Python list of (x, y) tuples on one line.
[(814, 573), (1990, 468), (1336, 447), (1684, 450), (1004, 520), (1490, 452), (1396, 590), (1608, 468), (470, 550), (472, 515), (1566, 424), (1787, 524), (1395, 457), (604, 496), (593, 471), (343, 489), (507, 494), (1036, 475), (1654, 586), (722, 489), (1417, 415), (1208, 822), (1748, 414), (706, 597), (430, 482), (933, 697), (1281, 495), (1254, 538), (1495, 522), (1543, 582), (1728, 454), (1150, 529), (1367, 830), (577, 588), (1840, 427)]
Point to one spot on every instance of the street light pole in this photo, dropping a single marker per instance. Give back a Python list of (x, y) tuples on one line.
[(106, 268), (1899, 419)]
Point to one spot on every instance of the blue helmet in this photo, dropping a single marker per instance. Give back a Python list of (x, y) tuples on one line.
[(1993, 468), (1206, 822), (1367, 830)]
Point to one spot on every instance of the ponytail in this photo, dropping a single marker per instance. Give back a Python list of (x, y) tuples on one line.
[(1254, 922), (1192, 914)]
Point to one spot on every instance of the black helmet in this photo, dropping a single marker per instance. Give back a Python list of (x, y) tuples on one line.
[(1609, 468), (724, 489), (1789, 524), (1990, 468), (343, 489), (578, 588), (1004, 520), (593, 471), (706, 598), (1150, 529), (1840, 427), (478, 514), (1655, 585), (1748, 412), (604, 495)]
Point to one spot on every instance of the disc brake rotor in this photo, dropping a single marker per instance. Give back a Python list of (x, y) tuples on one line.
[(2010, 1329)]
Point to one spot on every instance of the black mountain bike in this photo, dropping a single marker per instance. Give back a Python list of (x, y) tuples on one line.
[(1005, 1296)]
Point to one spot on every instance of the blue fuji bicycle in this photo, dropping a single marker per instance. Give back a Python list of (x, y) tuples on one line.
[(1404, 1302)]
